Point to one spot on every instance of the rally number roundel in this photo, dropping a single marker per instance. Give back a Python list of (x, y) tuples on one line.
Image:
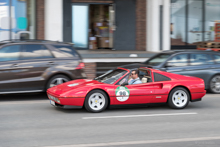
[(122, 93)]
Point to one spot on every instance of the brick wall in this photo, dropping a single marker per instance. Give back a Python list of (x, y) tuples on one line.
[(141, 25), (92, 1), (90, 70), (40, 19)]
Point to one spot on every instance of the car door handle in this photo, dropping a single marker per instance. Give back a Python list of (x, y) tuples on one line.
[(50, 63), (174, 70), (15, 65)]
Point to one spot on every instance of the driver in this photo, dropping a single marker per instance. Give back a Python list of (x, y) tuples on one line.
[(135, 78)]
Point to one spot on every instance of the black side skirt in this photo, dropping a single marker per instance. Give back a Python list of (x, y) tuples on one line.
[(196, 100)]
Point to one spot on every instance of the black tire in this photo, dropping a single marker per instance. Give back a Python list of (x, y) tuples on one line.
[(65, 79), (212, 84), (178, 102), (100, 96)]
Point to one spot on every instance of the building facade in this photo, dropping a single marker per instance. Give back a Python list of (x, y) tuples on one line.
[(142, 25)]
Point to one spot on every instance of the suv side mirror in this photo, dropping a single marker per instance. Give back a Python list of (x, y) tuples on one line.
[(168, 64)]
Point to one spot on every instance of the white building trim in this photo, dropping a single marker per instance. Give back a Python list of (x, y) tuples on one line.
[(54, 20), (153, 25), (166, 25), (110, 60)]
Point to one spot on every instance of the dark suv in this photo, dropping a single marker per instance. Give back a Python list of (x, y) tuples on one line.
[(202, 64), (36, 65)]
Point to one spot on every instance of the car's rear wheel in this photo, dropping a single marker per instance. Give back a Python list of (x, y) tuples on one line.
[(178, 98), (56, 80), (96, 101), (215, 84)]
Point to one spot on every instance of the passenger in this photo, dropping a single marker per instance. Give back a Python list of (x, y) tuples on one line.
[(135, 78)]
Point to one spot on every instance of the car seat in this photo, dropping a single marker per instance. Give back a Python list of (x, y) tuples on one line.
[(144, 80)]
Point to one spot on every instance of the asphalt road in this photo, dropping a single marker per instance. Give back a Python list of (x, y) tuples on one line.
[(30, 121)]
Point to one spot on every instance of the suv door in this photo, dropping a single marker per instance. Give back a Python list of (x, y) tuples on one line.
[(35, 59), (69, 59), (198, 65), (9, 70), (201, 66)]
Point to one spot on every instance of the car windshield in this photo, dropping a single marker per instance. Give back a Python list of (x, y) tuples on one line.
[(157, 60), (111, 76)]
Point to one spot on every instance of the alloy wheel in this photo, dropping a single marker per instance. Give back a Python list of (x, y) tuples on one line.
[(179, 98), (215, 84), (58, 81), (96, 101)]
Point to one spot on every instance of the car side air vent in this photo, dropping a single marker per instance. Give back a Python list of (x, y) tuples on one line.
[(158, 77)]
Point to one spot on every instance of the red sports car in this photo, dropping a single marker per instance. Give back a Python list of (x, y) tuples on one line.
[(112, 89)]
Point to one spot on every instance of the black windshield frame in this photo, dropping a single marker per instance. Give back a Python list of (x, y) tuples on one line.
[(108, 77)]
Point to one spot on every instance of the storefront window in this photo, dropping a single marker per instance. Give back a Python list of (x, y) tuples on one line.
[(212, 16), (178, 22), (195, 25), (17, 19), (80, 26), (197, 17)]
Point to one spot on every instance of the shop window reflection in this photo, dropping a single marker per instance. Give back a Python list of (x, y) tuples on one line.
[(21, 19), (178, 22)]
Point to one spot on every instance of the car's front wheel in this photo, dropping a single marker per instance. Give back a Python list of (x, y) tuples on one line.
[(96, 101), (215, 84), (178, 98)]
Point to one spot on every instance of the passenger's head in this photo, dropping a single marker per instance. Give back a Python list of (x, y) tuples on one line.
[(134, 74)]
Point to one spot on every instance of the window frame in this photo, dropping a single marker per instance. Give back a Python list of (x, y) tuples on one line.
[(188, 57), (54, 49), (154, 73), (22, 50), (211, 57)]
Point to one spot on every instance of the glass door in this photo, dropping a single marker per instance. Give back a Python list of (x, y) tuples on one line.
[(178, 23), (195, 22), (187, 23), (212, 16), (80, 21)]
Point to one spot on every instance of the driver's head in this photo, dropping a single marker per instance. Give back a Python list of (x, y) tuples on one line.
[(134, 74)]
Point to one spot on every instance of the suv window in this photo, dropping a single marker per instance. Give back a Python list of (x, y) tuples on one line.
[(65, 51), (200, 59), (10, 53), (157, 60), (217, 58), (35, 51), (178, 60)]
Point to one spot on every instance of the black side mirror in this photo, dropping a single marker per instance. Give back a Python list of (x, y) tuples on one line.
[(168, 64), (124, 84)]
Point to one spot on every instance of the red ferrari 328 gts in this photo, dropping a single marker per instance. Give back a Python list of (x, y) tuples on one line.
[(112, 89)]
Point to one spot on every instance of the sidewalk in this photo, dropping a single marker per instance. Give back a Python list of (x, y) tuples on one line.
[(115, 56)]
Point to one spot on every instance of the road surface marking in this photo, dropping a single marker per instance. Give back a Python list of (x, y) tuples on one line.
[(141, 142), (124, 116), (25, 102)]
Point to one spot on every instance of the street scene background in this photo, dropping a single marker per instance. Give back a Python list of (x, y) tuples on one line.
[(86, 39)]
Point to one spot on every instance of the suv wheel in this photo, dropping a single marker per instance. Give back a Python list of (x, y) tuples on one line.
[(56, 80), (215, 84)]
